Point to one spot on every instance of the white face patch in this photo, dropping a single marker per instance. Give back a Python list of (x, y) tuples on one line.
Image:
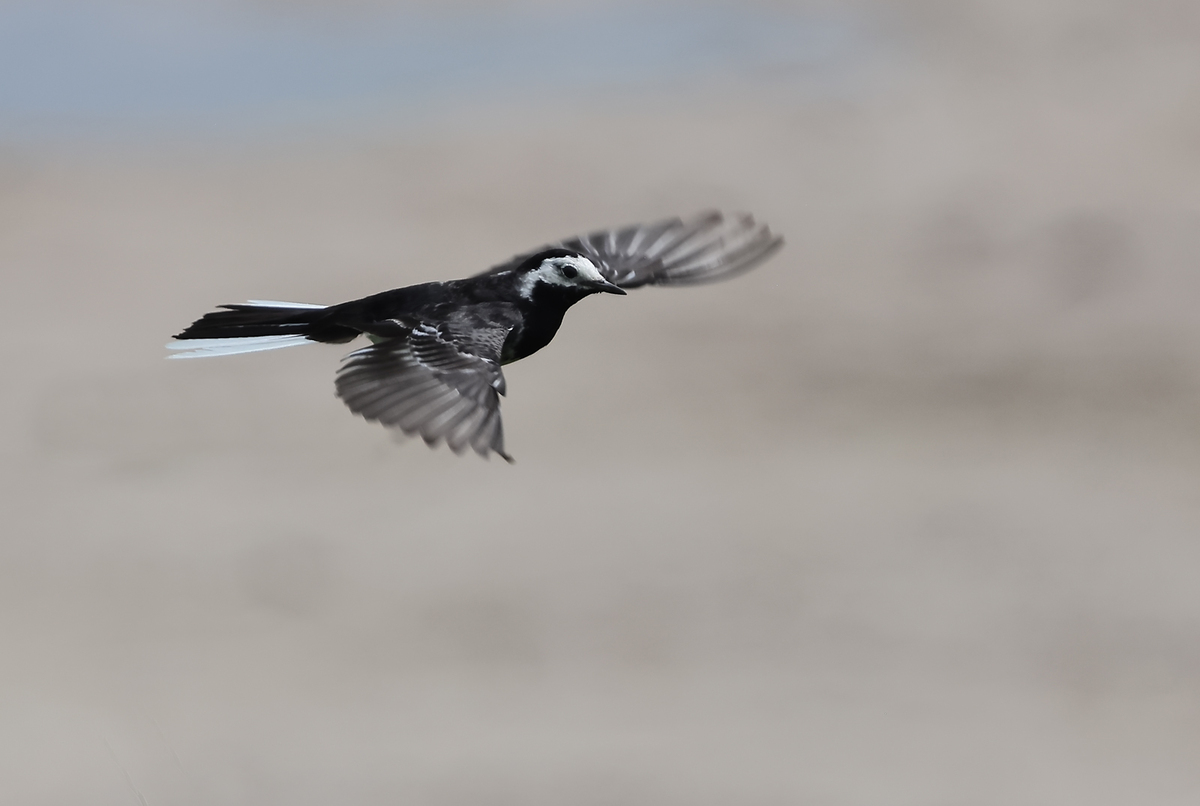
[(570, 272)]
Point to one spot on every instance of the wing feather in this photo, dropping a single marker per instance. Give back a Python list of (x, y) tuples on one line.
[(431, 382), (705, 248)]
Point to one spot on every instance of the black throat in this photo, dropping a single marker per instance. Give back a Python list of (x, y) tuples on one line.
[(543, 314)]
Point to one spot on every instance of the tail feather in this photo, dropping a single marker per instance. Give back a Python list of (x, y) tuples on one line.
[(270, 303), (205, 348), (253, 319), (250, 327)]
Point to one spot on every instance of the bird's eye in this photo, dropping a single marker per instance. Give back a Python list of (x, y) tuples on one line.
[(570, 272)]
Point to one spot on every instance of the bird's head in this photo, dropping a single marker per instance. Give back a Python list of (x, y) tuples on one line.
[(562, 272)]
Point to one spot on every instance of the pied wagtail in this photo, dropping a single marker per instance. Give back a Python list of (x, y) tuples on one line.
[(433, 368)]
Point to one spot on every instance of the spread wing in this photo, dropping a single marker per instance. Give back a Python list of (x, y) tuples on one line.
[(702, 249), (432, 382)]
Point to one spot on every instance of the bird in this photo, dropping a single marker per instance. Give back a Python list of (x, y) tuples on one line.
[(433, 365)]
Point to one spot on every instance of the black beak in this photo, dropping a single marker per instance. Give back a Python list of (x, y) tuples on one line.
[(607, 287)]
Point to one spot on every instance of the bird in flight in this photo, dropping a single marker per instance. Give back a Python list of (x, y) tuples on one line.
[(433, 366)]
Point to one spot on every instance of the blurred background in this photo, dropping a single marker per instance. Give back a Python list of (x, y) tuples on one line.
[(909, 515)]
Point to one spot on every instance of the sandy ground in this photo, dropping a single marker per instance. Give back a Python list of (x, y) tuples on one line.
[(908, 516)]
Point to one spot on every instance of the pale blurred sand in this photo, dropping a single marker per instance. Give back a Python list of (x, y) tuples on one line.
[(908, 516)]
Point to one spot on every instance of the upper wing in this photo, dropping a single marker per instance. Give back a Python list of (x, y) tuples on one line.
[(710, 246), (433, 382)]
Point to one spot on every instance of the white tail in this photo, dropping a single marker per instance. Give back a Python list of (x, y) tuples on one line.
[(267, 303), (237, 318), (205, 348)]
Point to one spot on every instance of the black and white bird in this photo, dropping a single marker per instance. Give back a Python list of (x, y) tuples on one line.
[(433, 367)]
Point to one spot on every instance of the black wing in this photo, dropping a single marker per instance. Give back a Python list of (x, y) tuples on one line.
[(708, 247), (432, 382)]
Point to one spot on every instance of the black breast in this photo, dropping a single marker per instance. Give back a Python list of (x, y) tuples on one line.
[(537, 328), (541, 318)]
